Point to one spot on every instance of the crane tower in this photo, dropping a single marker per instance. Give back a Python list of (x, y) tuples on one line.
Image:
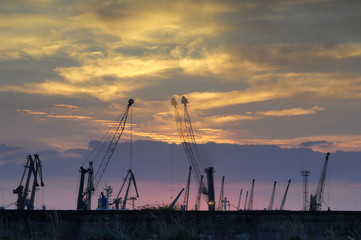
[(305, 175)]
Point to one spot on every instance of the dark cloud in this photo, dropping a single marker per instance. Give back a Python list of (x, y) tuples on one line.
[(5, 148), (158, 161)]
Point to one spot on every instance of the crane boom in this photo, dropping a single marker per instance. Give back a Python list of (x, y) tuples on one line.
[(250, 201), (176, 199), (284, 196), (245, 202), (270, 206), (221, 196), (113, 143), (239, 200), (321, 184), (186, 143)]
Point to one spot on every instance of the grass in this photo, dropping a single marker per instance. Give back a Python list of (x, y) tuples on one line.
[(294, 229)]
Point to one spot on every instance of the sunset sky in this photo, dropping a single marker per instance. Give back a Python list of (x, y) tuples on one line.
[(280, 72)]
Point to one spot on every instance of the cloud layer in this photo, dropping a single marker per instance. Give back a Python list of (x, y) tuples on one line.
[(284, 73)]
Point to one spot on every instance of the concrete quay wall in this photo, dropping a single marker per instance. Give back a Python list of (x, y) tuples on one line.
[(167, 224)]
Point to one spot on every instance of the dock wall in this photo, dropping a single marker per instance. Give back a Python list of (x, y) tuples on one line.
[(165, 224)]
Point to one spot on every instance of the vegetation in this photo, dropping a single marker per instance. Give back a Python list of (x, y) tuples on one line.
[(294, 229)]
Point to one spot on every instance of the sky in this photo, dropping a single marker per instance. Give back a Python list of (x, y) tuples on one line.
[(262, 73)]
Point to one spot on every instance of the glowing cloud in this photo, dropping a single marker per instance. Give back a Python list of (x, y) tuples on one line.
[(68, 117), (66, 106), (30, 112), (291, 112)]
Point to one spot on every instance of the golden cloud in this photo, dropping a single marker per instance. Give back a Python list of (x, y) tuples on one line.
[(69, 117), (104, 92), (221, 63), (291, 112), (117, 66), (264, 87), (210, 100), (230, 118), (217, 120), (340, 51), (30, 112), (67, 106), (44, 114), (166, 22)]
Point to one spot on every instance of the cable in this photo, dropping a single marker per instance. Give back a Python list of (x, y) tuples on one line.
[(131, 138)]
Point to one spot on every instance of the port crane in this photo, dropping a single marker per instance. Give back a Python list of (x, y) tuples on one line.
[(270, 206), (107, 145), (285, 195), (131, 179), (34, 170), (195, 154), (317, 199)]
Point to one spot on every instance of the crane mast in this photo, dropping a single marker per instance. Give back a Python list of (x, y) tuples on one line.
[(115, 132), (194, 153), (270, 206), (317, 199), (285, 195), (305, 174)]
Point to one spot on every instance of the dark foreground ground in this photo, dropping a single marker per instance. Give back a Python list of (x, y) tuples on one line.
[(164, 224)]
